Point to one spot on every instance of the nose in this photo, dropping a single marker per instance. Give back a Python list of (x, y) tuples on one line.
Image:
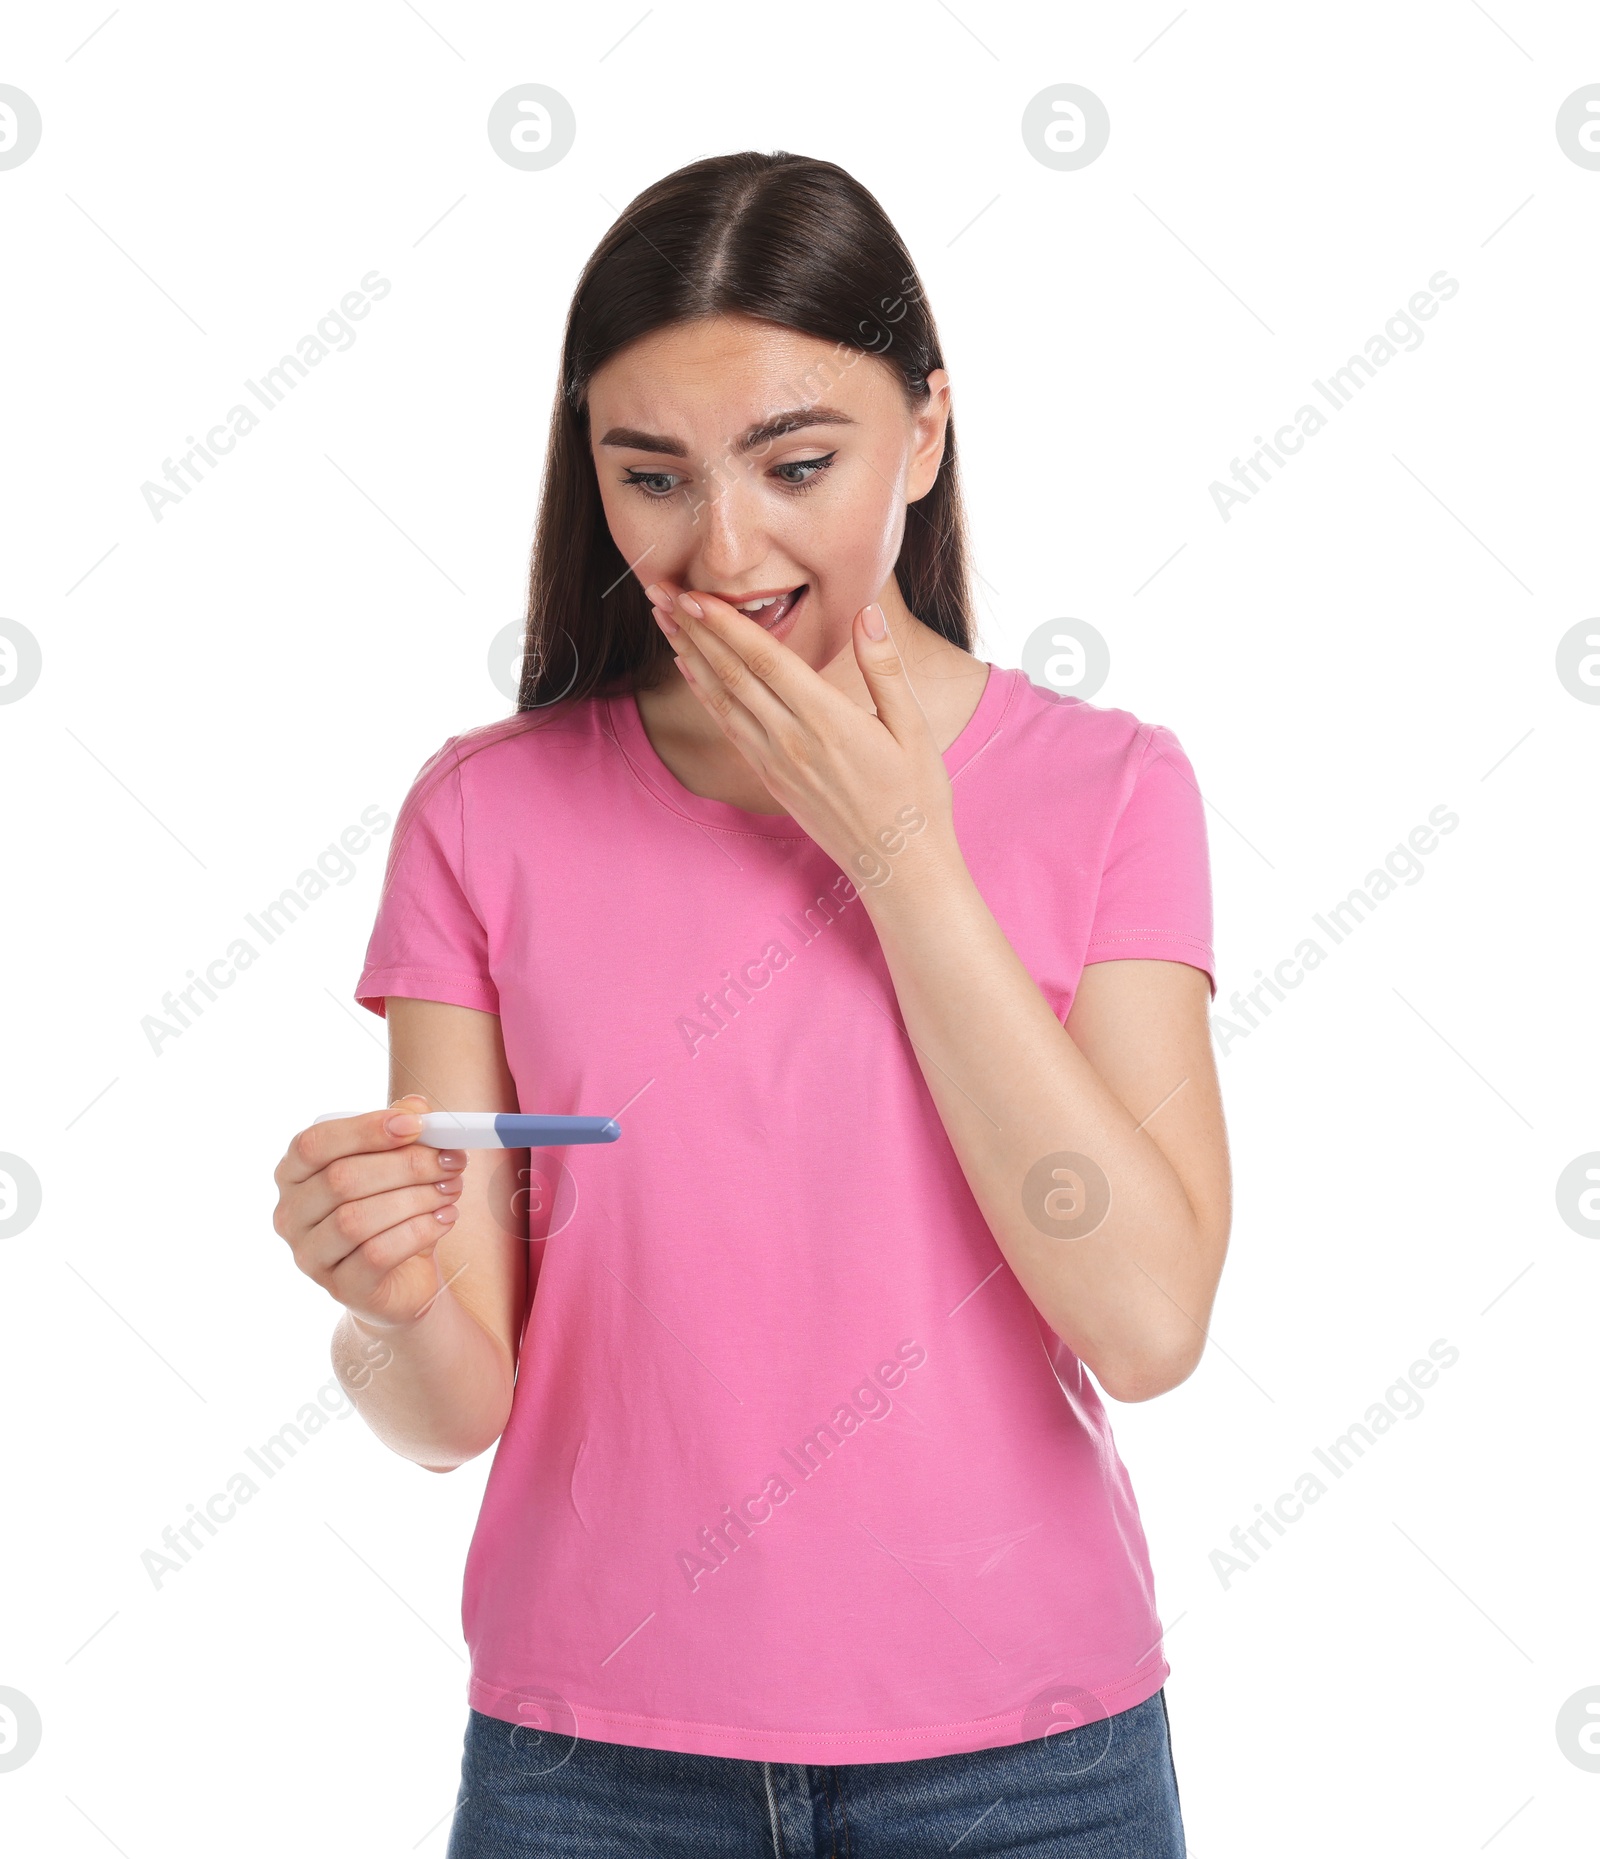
[(730, 535)]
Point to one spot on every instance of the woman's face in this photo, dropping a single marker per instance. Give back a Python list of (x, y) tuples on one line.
[(701, 491)]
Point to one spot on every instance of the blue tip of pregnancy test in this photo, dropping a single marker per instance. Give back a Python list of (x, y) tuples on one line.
[(526, 1132)]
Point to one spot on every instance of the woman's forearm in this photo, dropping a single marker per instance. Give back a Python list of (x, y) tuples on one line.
[(437, 1392), (1132, 1295)]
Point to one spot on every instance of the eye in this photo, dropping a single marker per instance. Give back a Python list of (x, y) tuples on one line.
[(812, 467), (650, 483)]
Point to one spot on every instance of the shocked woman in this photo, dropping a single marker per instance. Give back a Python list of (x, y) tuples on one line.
[(805, 1531)]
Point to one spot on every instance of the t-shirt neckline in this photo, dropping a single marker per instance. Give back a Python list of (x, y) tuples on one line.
[(628, 730)]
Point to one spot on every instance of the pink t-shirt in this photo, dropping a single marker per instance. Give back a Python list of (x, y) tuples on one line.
[(794, 1471)]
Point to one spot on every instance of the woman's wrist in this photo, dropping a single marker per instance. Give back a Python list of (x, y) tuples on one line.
[(925, 869)]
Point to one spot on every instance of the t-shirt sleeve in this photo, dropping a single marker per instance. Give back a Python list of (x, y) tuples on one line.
[(429, 942), (1155, 888)]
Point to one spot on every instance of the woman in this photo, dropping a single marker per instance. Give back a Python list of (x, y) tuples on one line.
[(805, 1532)]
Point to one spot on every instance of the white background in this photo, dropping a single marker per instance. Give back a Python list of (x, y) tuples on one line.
[(1374, 635)]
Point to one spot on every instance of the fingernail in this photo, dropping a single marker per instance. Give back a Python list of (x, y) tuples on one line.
[(450, 1187), (690, 606), (877, 627), (407, 1125), (655, 594), (667, 623), (446, 1214), (452, 1158)]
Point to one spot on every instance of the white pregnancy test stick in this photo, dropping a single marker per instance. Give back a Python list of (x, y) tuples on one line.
[(500, 1129)]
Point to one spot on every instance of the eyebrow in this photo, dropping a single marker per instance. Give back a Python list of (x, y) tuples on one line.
[(796, 420)]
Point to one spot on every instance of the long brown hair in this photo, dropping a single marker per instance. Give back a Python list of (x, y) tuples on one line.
[(794, 241)]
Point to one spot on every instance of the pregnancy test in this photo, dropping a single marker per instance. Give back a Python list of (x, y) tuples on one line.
[(496, 1129)]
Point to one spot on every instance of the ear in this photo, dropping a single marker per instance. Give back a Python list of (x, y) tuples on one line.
[(928, 429)]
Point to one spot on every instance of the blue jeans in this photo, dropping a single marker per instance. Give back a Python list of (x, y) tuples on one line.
[(1106, 1790)]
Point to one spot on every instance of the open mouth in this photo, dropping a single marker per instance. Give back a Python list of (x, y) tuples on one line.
[(772, 610)]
